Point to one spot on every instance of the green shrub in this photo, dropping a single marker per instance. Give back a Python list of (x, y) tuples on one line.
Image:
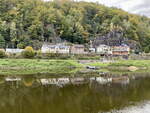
[(39, 54), (147, 49), (2, 54), (28, 52), (55, 56), (21, 46)]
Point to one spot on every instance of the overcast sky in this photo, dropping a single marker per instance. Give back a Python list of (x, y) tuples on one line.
[(141, 7)]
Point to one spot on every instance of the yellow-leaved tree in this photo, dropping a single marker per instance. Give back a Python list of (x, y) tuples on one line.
[(28, 52)]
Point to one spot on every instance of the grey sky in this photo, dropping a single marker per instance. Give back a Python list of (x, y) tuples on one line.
[(141, 7)]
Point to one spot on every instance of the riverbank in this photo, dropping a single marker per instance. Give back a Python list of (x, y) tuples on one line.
[(124, 65), (36, 66), (41, 66)]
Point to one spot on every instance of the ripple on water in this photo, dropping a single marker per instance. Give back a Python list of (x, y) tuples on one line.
[(140, 108)]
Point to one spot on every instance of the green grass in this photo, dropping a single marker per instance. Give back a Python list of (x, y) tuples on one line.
[(98, 64), (33, 66), (137, 63), (123, 63)]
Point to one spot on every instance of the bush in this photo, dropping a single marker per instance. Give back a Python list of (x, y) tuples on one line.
[(38, 54), (147, 49), (55, 56), (2, 54), (21, 46), (28, 52)]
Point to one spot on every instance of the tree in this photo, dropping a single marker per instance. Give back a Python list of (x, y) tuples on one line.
[(32, 22), (28, 52), (2, 42), (147, 49)]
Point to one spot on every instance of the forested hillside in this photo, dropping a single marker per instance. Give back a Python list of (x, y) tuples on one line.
[(31, 22)]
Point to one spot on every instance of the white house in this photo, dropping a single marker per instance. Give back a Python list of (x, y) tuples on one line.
[(104, 49), (62, 49), (13, 51), (58, 48), (46, 48)]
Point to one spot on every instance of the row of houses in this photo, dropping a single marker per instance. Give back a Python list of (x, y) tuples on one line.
[(63, 48), (53, 48), (122, 50), (80, 49)]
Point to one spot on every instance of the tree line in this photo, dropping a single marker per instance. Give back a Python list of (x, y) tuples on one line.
[(32, 22)]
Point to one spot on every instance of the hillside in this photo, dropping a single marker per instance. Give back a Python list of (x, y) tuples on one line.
[(31, 22)]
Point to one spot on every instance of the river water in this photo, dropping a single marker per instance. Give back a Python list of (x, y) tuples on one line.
[(75, 94)]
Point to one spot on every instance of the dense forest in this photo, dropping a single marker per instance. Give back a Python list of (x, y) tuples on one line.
[(32, 22)]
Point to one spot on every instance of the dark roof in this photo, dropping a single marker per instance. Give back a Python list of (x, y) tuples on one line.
[(78, 46)]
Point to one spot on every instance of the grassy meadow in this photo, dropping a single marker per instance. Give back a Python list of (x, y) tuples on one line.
[(34, 66), (40, 66)]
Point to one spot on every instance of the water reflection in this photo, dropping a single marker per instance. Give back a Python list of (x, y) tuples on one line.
[(143, 107), (72, 94), (62, 81)]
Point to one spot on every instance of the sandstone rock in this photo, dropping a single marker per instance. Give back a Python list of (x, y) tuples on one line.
[(132, 68)]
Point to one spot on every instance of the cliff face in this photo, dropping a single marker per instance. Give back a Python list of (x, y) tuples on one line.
[(113, 38)]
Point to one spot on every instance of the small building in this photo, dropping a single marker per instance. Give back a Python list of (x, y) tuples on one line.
[(122, 50), (62, 49), (92, 50), (46, 48), (14, 51), (104, 50), (55, 48), (77, 49)]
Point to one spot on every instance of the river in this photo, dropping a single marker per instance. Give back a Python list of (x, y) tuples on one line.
[(33, 94)]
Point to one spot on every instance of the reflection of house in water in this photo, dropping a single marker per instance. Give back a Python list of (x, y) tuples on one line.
[(93, 79), (121, 80), (48, 81), (12, 79), (63, 81), (103, 80), (76, 81), (55, 81)]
